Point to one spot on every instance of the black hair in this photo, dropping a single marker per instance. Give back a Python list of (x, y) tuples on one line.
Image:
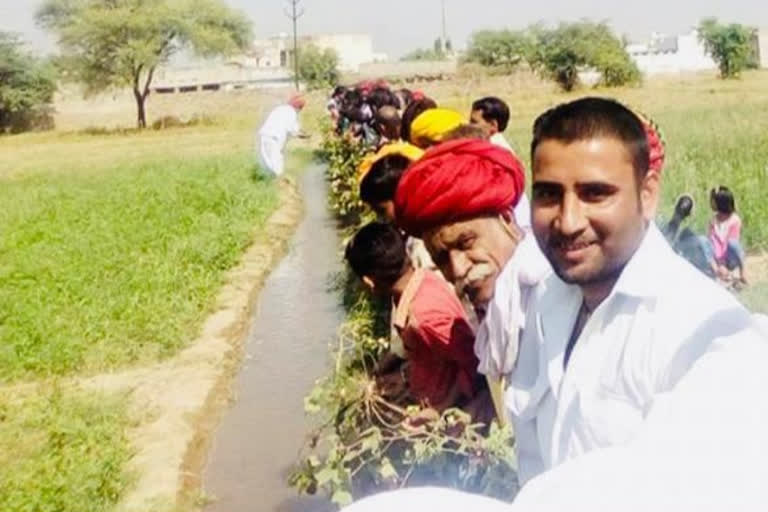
[(683, 209), (412, 112), (339, 91), (592, 117), (723, 199), (382, 97), (378, 251), (380, 184), (493, 109)]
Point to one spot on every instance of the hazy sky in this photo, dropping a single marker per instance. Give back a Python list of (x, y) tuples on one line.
[(400, 25)]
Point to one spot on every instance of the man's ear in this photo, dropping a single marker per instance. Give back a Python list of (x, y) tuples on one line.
[(649, 195), (495, 124), (368, 282)]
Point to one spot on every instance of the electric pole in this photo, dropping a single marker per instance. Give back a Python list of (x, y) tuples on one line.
[(294, 12), (445, 32)]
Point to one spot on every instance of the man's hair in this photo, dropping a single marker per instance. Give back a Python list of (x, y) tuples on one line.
[(388, 117), (380, 184), (378, 251), (412, 112), (723, 199), (590, 118), (381, 97), (493, 109)]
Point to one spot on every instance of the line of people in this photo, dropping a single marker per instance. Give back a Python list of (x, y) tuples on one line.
[(632, 380)]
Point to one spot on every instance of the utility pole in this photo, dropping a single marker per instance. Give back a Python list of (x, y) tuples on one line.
[(445, 31), (294, 12)]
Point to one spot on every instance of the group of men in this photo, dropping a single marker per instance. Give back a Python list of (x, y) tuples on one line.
[(631, 379)]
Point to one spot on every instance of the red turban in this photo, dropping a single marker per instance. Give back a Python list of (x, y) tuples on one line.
[(457, 180)]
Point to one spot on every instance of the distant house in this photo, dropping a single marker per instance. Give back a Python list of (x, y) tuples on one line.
[(762, 48), (671, 54), (353, 50)]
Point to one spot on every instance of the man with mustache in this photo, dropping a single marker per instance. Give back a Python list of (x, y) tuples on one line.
[(459, 198), (640, 383)]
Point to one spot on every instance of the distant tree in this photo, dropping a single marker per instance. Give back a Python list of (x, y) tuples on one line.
[(27, 85), (318, 69), (119, 43), (448, 46), (438, 46), (561, 53), (423, 54), (730, 46), (500, 48)]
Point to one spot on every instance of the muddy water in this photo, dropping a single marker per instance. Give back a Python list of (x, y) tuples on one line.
[(287, 350)]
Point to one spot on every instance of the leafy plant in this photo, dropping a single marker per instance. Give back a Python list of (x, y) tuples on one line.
[(318, 69), (731, 46)]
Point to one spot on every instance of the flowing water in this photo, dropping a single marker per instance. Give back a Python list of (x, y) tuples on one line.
[(287, 350)]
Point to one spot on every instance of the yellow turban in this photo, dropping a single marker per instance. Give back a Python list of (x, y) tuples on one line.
[(405, 149), (432, 125)]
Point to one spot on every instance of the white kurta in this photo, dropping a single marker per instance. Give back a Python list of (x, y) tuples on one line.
[(633, 354), (281, 123)]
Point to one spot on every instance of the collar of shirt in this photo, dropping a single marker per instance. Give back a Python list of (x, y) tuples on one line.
[(404, 304)]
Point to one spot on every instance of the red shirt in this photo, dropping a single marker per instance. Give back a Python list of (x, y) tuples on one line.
[(438, 338)]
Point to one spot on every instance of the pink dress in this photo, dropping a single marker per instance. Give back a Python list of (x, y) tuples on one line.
[(722, 232)]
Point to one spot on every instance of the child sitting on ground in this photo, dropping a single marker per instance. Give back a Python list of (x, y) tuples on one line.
[(438, 339), (725, 236)]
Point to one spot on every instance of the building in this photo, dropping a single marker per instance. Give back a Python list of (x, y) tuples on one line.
[(671, 54), (353, 50), (762, 48)]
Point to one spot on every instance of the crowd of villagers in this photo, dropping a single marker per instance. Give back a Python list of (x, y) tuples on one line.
[(633, 380)]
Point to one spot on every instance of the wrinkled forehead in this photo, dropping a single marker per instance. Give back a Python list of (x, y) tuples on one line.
[(446, 236)]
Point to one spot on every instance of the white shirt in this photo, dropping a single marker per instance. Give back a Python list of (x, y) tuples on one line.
[(523, 207), (280, 123), (637, 365), (497, 340)]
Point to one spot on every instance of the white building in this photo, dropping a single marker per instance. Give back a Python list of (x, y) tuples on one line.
[(671, 54), (353, 50)]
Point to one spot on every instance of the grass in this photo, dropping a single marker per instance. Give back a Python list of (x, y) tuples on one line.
[(62, 452), (119, 267)]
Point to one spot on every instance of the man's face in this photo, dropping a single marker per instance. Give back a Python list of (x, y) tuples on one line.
[(476, 118), (472, 253), (589, 214)]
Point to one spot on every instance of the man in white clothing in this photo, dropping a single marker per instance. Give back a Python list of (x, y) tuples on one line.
[(281, 123), (640, 383), (492, 114)]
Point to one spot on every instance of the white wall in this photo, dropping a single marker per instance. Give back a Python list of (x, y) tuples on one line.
[(690, 56)]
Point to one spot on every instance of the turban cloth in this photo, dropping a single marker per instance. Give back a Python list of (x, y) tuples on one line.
[(458, 180), (432, 125), (656, 144), (297, 101), (405, 149)]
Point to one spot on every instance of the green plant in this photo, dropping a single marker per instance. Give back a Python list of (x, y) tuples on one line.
[(121, 43), (26, 88), (731, 46), (318, 69)]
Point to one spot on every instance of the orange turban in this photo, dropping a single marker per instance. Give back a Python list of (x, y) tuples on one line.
[(297, 101), (409, 151), (458, 180)]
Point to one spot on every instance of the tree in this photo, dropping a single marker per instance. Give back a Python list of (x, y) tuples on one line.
[(119, 43), (318, 68), (561, 53), (423, 54), (731, 46), (27, 86), (500, 48)]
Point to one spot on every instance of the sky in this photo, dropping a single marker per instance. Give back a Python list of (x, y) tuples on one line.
[(398, 26)]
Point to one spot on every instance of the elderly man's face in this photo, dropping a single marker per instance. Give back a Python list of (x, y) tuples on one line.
[(472, 253)]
